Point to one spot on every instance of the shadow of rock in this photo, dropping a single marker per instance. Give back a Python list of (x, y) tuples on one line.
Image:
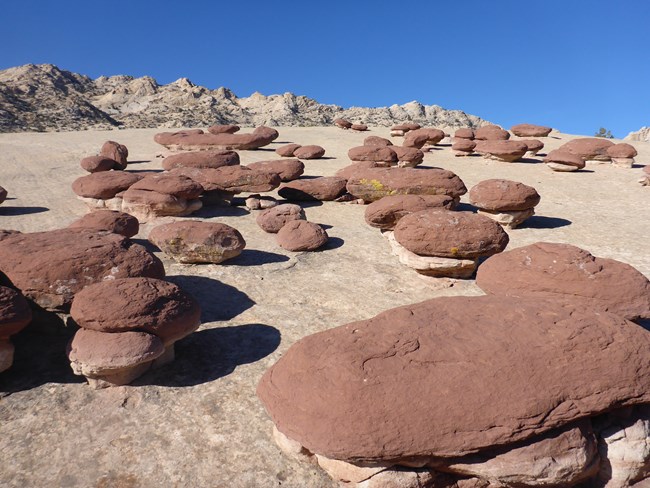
[(218, 301), (7, 210), (542, 222), (254, 257), (332, 243), (149, 246), (465, 207), (645, 323), (209, 211), (529, 161), (146, 171), (139, 162), (211, 354)]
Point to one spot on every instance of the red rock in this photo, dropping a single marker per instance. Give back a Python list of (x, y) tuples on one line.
[(286, 169), (387, 389), (419, 137), (300, 235), (223, 129), (559, 159), (201, 159), (109, 221), (198, 242), (386, 212), (530, 130), (561, 270), (533, 145), (376, 141), (342, 123), (491, 133), (287, 150), (324, 188), (408, 156), (235, 179), (359, 127), (508, 151), (589, 148), (463, 145), (95, 164), (51, 267), (309, 152), (117, 152), (202, 142), (165, 138), (464, 134), (373, 153), (104, 185), (267, 132), (169, 184), (621, 150), (273, 219), (15, 314), (498, 194), (441, 233)]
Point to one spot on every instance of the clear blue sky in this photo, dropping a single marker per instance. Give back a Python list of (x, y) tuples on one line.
[(574, 65)]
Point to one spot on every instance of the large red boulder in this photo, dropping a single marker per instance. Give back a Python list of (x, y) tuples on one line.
[(286, 169), (323, 188), (491, 133), (530, 130), (201, 159), (386, 212), (589, 148)]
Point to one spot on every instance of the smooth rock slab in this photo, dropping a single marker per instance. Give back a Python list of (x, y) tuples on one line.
[(347, 393)]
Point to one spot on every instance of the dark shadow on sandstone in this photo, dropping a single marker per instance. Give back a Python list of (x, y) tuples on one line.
[(7, 210), (211, 354), (218, 300), (542, 222), (254, 257), (209, 211), (139, 161), (465, 207), (332, 243)]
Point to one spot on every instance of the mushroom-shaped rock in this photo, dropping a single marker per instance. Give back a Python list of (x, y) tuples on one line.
[(589, 148), (561, 160), (15, 314), (347, 393), (201, 159), (223, 129), (561, 270), (286, 169), (233, 179), (507, 202), (198, 242), (359, 127), (342, 123), (166, 194), (287, 150), (51, 267), (301, 235), (324, 188), (117, 152), (267, 132), (110, 221), (464, 133), (371, 184), (273, 219), (533, 145), (373, 153), (113, 359), (193, 141), (103, 190), (376, 141), (501, 150), (622, 155), (408, 156), (138, 304), (491, 133), (95, 164), (463, 147), (386, 212), (3, 194), (530, 130), (420, 137), (309, 152)]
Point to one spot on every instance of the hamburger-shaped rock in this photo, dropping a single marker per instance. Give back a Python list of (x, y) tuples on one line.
[(590, 149), (161, 195), (622, 155), (400, 130), (547, 269), (564, 161), (268, 133), (450, 242), (15, 315), (507, 202), (201, 159), (104, 189), (464, 133), (530, 130), (383, 154), (418, 138), (191, 241), (501, 150), (533, 145), (386, 212), (128, 326), (491, 133), (463, 147), (301, 235), (448, 390), (110, 221)]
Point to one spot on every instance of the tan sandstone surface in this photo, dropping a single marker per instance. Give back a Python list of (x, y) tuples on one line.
[(197, 421)]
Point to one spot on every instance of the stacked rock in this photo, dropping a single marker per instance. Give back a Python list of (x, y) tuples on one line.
[(622, 155), (342, 123), (464, 133), (96, 164), (440, 243), (400, 130), (463, 147), (501, 150), (533, 145), (15, 315), (201, 159), (530, 130), (128, 326), (507, 202), (197, 140), (192, 241), (110, 221), (387, 154), (562, 160), (386, 212), (343, 398), (273, 219), (105, 189), (590, 149)]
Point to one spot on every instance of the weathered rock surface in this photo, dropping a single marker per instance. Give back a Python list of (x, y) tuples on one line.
[(530, 130), (108, 220), (300, 235), (547, 269), (309, 152), (562, 160), (287, 150), (501, 150), (376, 141), (386, 212), (201, 159), (234, 179), (223, 129), (323, 188), (51, 267), (491, 133), (273, 219), (589, 148), (347, 393), (286, 169), (373, 153), (197, 241), (499, 194), (117, 152), (104, 185), (463, 147), (184, 141)]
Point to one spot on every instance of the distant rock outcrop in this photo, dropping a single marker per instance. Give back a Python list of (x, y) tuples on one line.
[(45, 98), (643, 134)]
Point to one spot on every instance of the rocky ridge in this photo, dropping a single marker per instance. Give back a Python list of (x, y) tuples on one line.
[(46, 98), (643, 134)]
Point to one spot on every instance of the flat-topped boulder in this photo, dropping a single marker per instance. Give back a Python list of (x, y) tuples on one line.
[(464, 133), (234, 179), (108, 220), (371, 184), (223, 129), (589, 148), (51, 267), (287, 150), (376, 141), (323, 188), (273, 219), (101, 190), (347, 171), (309, 152), (533, 145), (117, 152), (386, 212), (622, 155), (301, 235), (562, 160), (96, 164), (530, 130), (201, 159), (491, 133), (348, 393), (186, 141), (501, 150), (373, 153), (286, 169), (507, 202), (15, 315), (192, 241), (554, 270)]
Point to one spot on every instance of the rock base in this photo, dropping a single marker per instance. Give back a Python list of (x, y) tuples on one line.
[(509, 219), (623, 162), (109, 204), (460, 154), (562, 167), (108, 379), (179, 208)]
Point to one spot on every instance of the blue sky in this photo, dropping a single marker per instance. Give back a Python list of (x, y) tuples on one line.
[(574, 65)]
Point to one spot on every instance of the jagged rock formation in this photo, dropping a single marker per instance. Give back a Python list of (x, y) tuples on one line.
[(44, 98), (643, 134)]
